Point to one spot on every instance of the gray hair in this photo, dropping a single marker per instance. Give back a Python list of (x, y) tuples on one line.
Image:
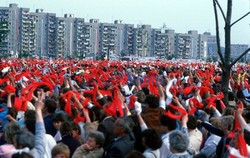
[(125, 124), (178, 141), (99, 137), (25, 139), (10, 130), (204, 115), (227, 122)]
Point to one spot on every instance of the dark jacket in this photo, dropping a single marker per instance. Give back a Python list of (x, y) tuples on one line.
[(49, 127), (106, 127), (71, 142), (119, 148)]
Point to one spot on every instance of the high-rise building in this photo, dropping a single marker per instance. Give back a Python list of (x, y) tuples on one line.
[(171, 36), (143, 41), (78, 46), (44, 34), (11, 15), (60, 37), (183, 46), (161, 43), (51, 34), (237, 49), (91, 38), (211, 45)]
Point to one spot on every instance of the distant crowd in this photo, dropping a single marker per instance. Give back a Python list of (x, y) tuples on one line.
[(112, 109)]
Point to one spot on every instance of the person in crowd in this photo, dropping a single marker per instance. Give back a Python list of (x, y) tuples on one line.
[(72, 101), (60, 151), (93, 146), (49, 110), (67, 139), (57, 120), (123, 142), (195, 135), (179, 143), (152, 141)]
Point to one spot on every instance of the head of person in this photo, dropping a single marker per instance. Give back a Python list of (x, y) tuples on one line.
[(60, 151), (192, 122), (227, 123), (228, 111), (95, 139), (10, 130), (58, 119), (178, 141), (135, 154), (22, 155), (24, 139), (152, 101), (167, 123), (66, 128), (76, 130), (50, 106), (30, 115), (121, 127), (150, 139)]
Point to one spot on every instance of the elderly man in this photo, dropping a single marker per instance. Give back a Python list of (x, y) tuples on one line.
[(179, 143), (124, 141)]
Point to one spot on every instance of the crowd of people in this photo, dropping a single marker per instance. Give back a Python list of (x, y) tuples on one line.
[(112, 109)]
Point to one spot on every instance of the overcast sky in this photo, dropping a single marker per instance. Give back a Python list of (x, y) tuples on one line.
[(181, 15)]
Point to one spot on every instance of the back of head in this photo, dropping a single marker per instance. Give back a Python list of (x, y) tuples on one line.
[(22, 155), (178, 141), (151, 139), (25, 139), (30, 115), (141, 96), (65, 128), (60, 149), (168, 122), (50, 105), (152, 101), (59, 117), (228, 111), (30, 125), (10, 129), (135, 154), (227, 122), (192, 122)]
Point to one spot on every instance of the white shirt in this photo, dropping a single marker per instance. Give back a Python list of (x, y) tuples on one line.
[(195, 137), (58, 136), (165, 147), (148, 153), (49, 144)]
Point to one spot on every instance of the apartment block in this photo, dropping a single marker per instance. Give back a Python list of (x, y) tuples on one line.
[(183, 46), (45, 35), (143, 41), (237, 49), (11, 15), (211, 45), (161, 43)]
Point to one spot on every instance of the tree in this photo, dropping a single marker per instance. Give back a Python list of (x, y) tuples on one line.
[(226, 64)]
